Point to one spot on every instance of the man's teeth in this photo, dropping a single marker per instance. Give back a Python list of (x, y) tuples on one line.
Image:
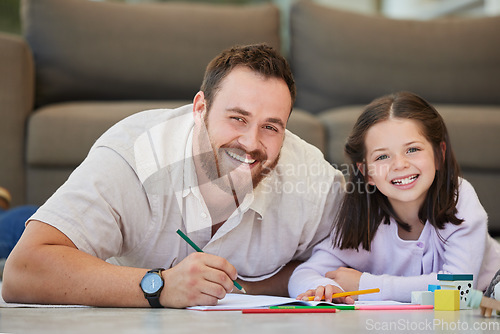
[(405, 181), (240, 158)]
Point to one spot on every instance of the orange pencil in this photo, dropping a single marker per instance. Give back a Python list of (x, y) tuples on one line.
[(350, 293)]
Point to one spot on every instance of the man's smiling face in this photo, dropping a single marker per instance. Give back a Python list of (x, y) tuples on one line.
[(245, 125)]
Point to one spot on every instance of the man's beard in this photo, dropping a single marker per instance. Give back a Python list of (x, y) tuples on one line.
[(227, 178)]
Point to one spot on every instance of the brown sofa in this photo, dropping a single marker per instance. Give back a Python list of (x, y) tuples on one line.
[(81, 66)]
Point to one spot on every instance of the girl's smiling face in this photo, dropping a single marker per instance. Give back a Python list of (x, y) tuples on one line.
[(400, 162)]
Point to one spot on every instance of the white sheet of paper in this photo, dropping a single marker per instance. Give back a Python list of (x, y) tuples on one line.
[(234, 301)]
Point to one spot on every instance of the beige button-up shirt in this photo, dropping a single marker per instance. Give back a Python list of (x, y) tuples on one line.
[(138, 185)]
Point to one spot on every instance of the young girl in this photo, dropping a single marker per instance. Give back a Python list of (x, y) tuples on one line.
[(406, 214)]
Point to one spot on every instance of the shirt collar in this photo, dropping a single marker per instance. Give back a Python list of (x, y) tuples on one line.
[(263, 196)]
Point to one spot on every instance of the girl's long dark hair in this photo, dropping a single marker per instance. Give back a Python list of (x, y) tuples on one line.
[(364, 207)]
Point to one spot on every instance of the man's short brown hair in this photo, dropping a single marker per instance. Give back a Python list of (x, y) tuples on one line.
[(260, 58)]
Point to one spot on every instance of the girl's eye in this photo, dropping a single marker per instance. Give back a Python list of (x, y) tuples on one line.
[(382, 157), (413, 150)]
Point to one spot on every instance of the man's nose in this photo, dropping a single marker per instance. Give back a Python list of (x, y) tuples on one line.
[(250, 139)]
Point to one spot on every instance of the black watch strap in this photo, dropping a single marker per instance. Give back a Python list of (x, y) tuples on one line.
[(154, 301)]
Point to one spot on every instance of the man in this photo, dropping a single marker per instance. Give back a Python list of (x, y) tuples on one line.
[(223, 170)]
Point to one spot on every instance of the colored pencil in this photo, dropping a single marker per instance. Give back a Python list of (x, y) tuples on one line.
[(393, 307), (338, 307), (199, 250), (290, 310), (349, 293), (361, 307)]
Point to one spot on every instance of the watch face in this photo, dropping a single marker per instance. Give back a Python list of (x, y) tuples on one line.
[(151, 283)]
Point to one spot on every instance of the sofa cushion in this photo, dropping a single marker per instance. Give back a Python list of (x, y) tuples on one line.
[(60, 135), (105, 50), (338, 124), (473, 133), (308, 127), (16, 101), (341, 58)]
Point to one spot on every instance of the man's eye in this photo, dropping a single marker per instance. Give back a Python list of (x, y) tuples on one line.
[(239, 119), (272, 128)]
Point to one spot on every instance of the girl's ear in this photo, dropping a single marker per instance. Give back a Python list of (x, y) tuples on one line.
[(442, 146), (362, 168), (199, 106), (443, 150)]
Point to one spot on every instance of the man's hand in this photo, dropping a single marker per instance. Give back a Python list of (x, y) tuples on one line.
[(199, 279), (347, 278)]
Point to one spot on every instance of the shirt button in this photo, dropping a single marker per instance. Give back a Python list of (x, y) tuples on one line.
[(203, 215), (420, 244)]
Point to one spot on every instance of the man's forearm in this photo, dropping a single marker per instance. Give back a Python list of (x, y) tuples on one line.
[(61, 274), (63, 278)]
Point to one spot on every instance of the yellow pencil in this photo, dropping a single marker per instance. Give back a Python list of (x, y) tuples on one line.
[(350, 293)]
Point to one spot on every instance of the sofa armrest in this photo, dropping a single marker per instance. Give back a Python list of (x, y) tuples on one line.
[(16, 103)]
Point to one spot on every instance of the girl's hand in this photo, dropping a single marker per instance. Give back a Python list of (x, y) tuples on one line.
[(347, 278), (326, 292)]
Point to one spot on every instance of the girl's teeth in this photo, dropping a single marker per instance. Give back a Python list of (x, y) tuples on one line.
[(405, 181), (240, 158)]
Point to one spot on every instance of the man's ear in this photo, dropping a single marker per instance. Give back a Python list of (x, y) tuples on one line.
[(199, 106)]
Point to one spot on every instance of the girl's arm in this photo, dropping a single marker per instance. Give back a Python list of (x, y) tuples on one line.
[(311, 274)]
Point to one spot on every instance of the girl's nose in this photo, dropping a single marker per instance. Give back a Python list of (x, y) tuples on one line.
[(400, 162)]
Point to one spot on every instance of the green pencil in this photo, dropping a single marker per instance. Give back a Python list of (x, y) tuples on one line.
[(198, 249)]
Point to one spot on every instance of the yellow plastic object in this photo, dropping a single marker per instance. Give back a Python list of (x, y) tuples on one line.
[(446, 300)]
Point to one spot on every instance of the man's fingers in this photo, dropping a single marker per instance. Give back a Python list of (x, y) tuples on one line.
[(221, 283), (199, 279), (218, 271), (222, 264)]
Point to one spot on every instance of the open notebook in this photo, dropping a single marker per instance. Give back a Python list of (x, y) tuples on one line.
[(234, 301)]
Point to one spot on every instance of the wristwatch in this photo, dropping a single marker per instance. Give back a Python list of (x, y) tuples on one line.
[(151, 284)]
